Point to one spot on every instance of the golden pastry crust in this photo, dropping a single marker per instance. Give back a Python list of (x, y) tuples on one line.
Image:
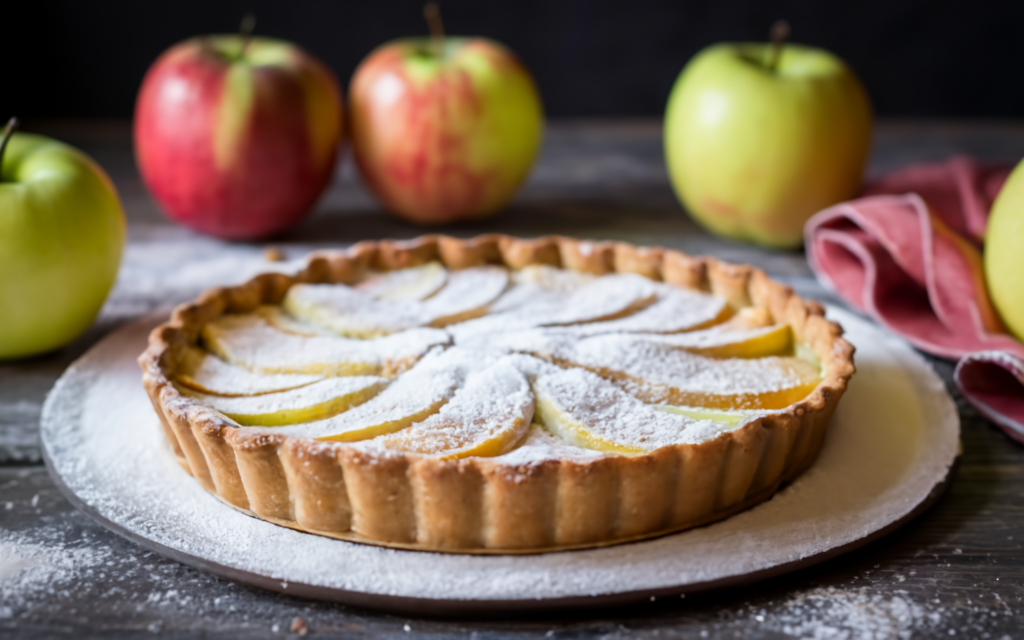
[(484, 505)]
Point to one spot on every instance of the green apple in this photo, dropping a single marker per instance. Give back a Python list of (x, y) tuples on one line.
[(1004, 260), (61, 235), (759, 137)]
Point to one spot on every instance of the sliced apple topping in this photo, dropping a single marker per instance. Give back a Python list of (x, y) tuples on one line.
[(413, 397), (315, 401), (209, 374), (660, 373), (249, 341), (355, 313), (486, 417), (611, 364), (588, 411), (414, 283)]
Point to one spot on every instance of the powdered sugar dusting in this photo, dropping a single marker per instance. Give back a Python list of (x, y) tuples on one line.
[(653, 362), (539, 445), (582, 408), (535, 306), (415, 283), (488, 415), (422, 390)]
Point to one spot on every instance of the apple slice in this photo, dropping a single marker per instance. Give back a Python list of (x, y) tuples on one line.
[(413, 397), (588, 411), (486, 417), (730, 418), (354, 313), (414, 283), (552, 278), (747, 318), (674, 311), (209, 374), (315, 401), (746, 343), (281, 320), (660, 373), (249, 341), (605, 299), (539, 444)]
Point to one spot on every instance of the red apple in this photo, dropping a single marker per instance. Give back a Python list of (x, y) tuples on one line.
[(444, 129), (236, 136)]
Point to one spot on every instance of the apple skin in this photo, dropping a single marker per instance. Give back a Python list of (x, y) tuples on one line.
[(442, 138), (238, 147), (62, 232), (753, 153), (1003, 257)]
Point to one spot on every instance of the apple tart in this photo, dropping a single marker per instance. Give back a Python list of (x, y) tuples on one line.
[(497, 394)]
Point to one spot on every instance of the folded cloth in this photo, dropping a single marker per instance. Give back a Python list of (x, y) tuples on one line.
[(905, 254), (993, 381)]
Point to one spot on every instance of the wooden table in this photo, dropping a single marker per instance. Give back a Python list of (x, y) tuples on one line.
[(958, 570)]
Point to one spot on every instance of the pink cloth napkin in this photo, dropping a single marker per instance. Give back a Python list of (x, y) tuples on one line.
[(908, 254)]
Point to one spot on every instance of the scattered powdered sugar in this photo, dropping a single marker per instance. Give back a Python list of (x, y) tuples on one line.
[(836, 614), (67, 571), (28, 568)]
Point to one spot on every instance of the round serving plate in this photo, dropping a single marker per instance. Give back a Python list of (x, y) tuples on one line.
[(890, 447)]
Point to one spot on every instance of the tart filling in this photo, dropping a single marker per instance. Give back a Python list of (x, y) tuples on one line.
[(571, 381)]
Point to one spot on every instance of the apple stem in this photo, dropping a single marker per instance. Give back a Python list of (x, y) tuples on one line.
[(433, 15), (780, 31), (12, 126), (246, 29)]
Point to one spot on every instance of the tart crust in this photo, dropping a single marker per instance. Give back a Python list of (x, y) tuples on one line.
[(483, 505)]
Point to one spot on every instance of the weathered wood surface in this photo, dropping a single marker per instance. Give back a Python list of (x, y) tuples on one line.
[(958, 570)]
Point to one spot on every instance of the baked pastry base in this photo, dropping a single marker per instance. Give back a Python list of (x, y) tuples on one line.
[(411, 501)]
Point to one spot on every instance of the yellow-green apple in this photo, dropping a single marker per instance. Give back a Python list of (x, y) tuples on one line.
[(758, 137), (1004, 259), (61, 236), (444, 129), (237, 136)]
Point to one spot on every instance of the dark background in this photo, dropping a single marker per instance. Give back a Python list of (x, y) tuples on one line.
[(73, 58)]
